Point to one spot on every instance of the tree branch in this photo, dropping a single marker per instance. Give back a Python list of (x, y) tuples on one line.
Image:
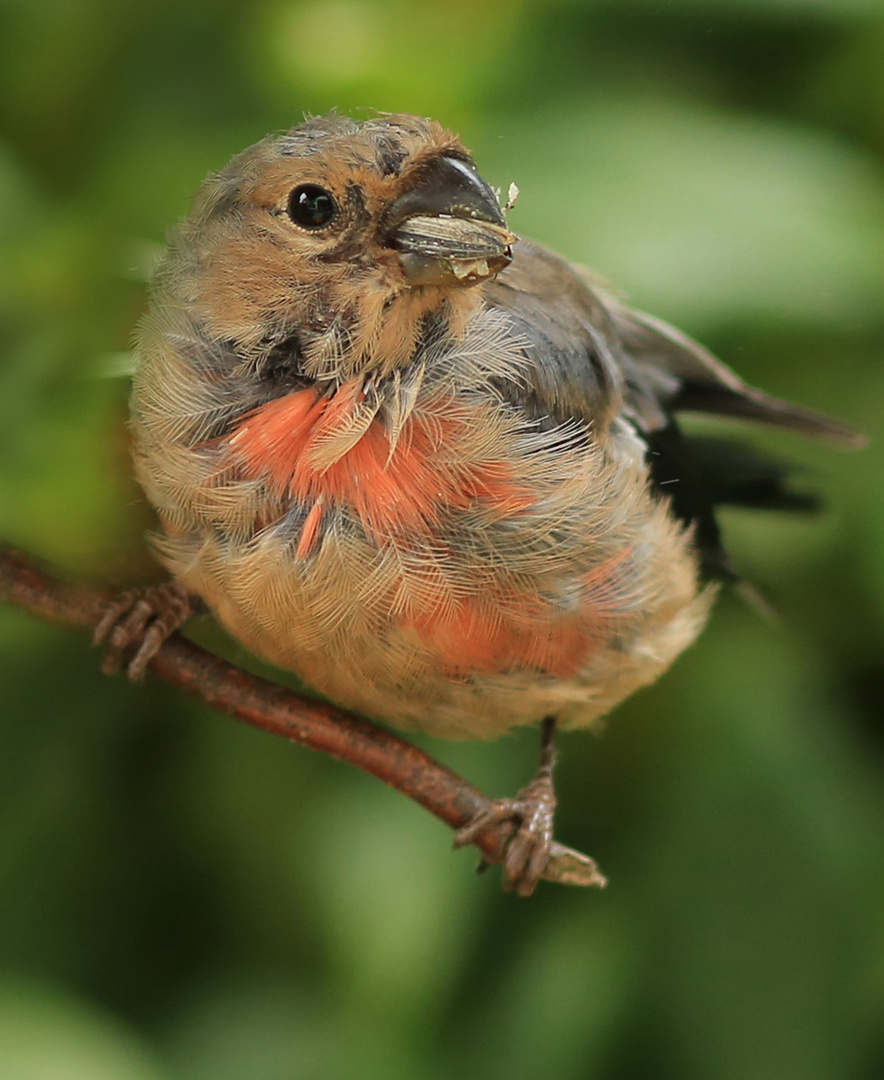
[(279, 711)]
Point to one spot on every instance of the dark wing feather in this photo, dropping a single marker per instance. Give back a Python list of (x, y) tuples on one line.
[(662, 361), (665, 368), (700, 473), (575, 368), (594, 356)]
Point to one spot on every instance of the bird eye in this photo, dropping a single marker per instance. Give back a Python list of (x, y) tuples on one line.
[(311, 206)]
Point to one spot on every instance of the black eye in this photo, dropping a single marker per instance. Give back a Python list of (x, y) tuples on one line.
[(311, 206)]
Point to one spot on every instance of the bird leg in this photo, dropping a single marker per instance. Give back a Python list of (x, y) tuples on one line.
[(533, 811), (138, 621)]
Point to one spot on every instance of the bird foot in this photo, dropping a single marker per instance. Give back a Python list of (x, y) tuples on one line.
[(527, 851), (137, 622)]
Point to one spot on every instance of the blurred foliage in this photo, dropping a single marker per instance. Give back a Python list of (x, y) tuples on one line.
[(182, 898)]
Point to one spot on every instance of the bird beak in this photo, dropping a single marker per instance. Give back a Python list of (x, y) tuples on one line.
[(448, 229)]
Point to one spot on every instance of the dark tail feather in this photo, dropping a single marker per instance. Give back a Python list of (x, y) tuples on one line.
[(702, 383), (751, 404), (700, 473), (732, 473)]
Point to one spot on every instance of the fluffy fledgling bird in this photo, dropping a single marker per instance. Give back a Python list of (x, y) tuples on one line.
[(431, 468)]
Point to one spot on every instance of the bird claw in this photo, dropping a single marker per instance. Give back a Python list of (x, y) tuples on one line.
[(137, 622), (528, 848)]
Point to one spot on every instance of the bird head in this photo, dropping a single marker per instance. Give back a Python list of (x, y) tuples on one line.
[(354, 230)]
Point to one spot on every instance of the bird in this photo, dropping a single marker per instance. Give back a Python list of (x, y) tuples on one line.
[(429, 466)]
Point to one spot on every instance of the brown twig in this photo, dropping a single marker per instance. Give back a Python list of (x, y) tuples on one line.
[(279, 711)]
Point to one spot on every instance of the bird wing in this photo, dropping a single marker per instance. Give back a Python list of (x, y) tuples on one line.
[(595, 357), (693, 380), (595, 348)]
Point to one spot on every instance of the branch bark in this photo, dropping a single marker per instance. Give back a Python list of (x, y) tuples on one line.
[(279, 711)]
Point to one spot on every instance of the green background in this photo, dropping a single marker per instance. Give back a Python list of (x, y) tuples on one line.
[(182, 897)]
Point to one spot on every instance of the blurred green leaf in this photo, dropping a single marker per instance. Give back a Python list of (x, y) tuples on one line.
[(700, 214), (48, 1035)]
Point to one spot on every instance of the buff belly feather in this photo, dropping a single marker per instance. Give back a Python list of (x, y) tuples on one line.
[(416, 578)]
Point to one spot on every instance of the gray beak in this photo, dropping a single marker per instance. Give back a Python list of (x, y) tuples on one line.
[(448, 229)]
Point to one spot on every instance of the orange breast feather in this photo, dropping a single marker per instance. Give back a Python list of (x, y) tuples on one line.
[(390, 493), (410, 491)]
